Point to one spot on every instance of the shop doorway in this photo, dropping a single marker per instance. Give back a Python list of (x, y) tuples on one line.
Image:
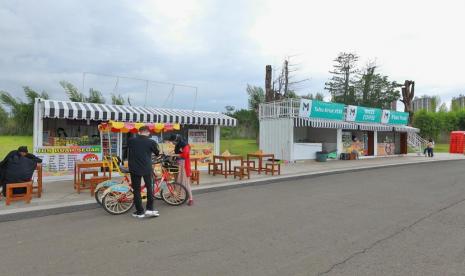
[(371, 145), (403, 143)]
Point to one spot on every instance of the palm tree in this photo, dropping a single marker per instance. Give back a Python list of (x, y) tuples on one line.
[(95, 96), (73, 93), (117, 99), (22, 112)]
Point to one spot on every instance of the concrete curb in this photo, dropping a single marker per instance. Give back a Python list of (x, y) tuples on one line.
[(56, 209)]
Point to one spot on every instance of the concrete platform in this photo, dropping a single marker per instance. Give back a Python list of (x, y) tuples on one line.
[(60, 195)]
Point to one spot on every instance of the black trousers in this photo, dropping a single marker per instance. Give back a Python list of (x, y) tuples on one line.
[(136, 186), (430, 152)]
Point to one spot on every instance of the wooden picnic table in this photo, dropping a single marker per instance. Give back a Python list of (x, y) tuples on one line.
[(260, 157), (78, 165), (227, 170)]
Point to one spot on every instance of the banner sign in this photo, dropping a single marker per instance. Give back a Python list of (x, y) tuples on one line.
[(305, 108), (60, 160), (325, 110), (394, 117), (363, 114), (360, 114)]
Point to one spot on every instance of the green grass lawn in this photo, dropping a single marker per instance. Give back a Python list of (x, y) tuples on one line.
[(437, 148), (9, 143), (239, 146), (441, 148)]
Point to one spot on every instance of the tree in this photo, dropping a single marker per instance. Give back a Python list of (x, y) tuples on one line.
[(435, 103), (341, 85), (22, 112), (318, 96), (376, 90), (73, 93), (3, 119), (117, 99), (408, 93), (256, 97), (443, 108), (95, 97)]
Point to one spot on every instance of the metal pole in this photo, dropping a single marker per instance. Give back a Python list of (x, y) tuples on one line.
[(83, 80), (146, 92), (195, 99)]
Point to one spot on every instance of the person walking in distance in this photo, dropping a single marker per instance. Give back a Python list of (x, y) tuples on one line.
[(430, 147), (141, 149)]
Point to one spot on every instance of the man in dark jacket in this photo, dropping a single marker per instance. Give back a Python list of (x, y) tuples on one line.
[(141, 148), (18, 166)]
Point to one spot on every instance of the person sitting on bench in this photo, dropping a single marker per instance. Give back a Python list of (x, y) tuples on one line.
[(17, 167)]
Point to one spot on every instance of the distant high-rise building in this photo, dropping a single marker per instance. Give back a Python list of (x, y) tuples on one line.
[(458, 102), (422, 103), (394, 105)]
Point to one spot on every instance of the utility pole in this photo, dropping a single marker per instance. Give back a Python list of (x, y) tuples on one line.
[(286, 77), (269, 97)]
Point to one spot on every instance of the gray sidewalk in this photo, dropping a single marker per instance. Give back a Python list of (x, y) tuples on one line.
[(58, 194)]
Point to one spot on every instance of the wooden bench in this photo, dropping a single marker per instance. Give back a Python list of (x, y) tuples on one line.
[(195, 177), (273, 167), (215, 168), (12, 197), (241, 172)]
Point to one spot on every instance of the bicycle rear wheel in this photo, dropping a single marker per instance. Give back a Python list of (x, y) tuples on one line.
[(117, 203), (174, 194)]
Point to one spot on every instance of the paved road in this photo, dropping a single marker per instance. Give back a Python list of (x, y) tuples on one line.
[(395, 221)]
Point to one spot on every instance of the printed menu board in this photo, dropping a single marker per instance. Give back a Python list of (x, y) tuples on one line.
[(57, 161), (197, 136)]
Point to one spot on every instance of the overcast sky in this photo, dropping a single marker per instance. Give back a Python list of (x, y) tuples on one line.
[(221, 46)]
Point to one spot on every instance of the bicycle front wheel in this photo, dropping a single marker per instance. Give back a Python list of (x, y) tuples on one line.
[(174, 194), (117, 203), (99, 194)]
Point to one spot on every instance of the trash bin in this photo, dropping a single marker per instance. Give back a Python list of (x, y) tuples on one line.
[(321, 156)]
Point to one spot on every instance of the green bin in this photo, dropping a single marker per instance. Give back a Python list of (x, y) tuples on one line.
[(321, 156)]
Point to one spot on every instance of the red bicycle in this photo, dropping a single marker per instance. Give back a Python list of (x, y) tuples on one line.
[(119, 199)]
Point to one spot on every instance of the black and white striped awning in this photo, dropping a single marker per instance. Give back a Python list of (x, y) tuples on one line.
[(374, 127), (124, 113), (406, 129), (321, 123)]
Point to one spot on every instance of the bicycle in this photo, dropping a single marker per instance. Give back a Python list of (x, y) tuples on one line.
[(119, 199), (101, 187)]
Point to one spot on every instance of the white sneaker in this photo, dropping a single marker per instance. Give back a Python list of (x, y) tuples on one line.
[(150, 213), (136, 215)]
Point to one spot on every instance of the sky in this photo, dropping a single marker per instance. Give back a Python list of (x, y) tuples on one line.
[(221, 46)]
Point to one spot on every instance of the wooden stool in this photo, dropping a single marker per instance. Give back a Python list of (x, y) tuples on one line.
[(37, 190), (94, 181), (11, 197), (250, 164), (241, 172), (92, 172), (195, 177), (272, 168), (216, 168)]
